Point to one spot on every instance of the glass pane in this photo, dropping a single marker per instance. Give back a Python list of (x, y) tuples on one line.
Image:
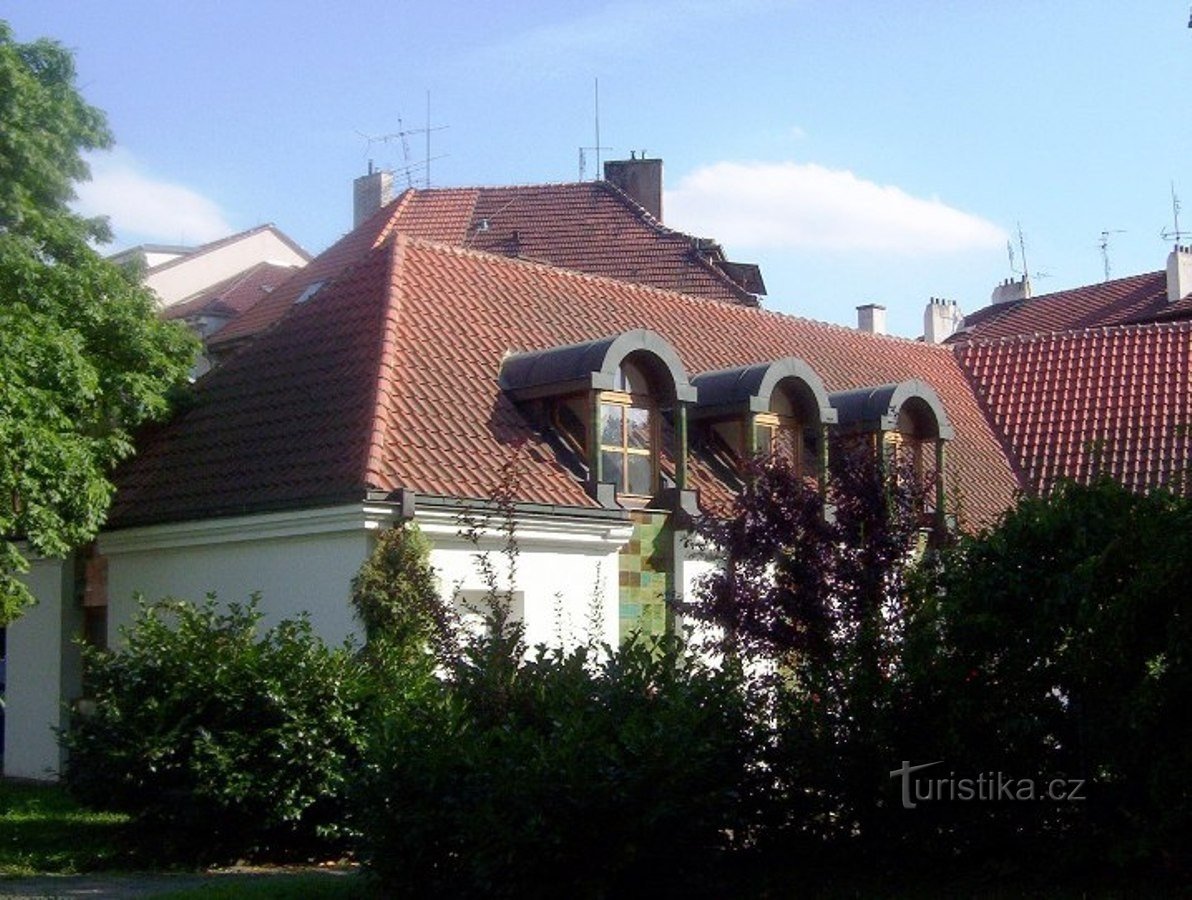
[(764, 435), (611, 464), (611, 417), (641, 474), (639, 427)]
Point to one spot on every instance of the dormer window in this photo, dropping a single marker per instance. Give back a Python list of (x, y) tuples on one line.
[(778, 409), (906, 425), (606, 399), (628, 438)]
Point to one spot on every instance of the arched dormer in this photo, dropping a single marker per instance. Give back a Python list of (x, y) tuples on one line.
[(770, 407), (607, 397), (907, 422)]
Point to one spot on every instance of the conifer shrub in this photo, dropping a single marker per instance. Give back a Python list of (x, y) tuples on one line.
[(221, 740)]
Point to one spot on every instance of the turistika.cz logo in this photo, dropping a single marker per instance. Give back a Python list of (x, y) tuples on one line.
[(985, 787)]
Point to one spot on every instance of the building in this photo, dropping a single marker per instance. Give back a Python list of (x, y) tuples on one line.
[(400, 382), (178, 273), (1089, 381)]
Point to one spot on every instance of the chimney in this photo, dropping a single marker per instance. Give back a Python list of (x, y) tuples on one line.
[(640, 178), (369, 193), (941, 318), (872, 318), (1179, 273), (1010, 290)]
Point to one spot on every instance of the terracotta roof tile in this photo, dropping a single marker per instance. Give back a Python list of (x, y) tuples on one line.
[(1139, 298), (234, 295), (1075, 404), (387, 378), (587, 226)]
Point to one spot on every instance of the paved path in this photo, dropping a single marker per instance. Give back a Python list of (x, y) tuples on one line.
[(115, 887)]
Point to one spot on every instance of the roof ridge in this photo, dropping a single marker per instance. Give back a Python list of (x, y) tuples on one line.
[(1089, 330), (687, 298), (374, 454), (223, 241)]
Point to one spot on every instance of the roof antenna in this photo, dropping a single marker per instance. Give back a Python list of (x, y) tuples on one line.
[(1104, 245), (1025, 273), (583, 150), (408, 168), (1174, 234)]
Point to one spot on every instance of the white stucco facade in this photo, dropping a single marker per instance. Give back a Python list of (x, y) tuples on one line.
[(43, 671), (184, 276), (302, 561)]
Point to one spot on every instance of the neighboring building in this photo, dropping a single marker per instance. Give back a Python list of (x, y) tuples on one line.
[(597, 227), (1089, 381), (400, 386), (178, 273)]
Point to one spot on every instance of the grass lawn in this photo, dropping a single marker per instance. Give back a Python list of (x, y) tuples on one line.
[(43, 831)]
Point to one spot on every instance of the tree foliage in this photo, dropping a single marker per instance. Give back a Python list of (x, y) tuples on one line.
[(83, 357)]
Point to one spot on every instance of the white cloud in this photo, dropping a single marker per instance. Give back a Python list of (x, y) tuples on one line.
[(143, 209), (809, 207)]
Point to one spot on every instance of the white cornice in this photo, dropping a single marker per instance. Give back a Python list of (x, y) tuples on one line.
[(544, 531), (444, 528), (268, 526)]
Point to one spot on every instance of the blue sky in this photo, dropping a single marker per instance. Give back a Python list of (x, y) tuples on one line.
[(859, 151)]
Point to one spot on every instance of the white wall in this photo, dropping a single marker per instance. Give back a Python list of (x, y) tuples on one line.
[(292, 574), (42, 672), (202, 270), (299, 561)]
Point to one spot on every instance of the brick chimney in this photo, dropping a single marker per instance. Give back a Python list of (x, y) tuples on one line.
[(1179, 273), (369, 193), (1010, 290), (941, 318), (871, 317), (640, 178)]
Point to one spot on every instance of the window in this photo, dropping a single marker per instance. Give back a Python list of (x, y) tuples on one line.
[(627, 443), (628, 434), (787, 438)]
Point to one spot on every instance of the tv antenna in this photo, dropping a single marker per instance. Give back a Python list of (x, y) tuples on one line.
[(1025, 272), (1174, 233), (583, 159), (410, 167), (1104, 245)]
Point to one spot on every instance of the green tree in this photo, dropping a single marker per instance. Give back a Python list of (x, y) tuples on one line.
[(83, 357)]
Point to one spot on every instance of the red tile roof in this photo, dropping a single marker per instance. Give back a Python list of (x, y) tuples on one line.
[(1075, 404), (587, 226), (1139, 298), (234, 295), (387, 378)]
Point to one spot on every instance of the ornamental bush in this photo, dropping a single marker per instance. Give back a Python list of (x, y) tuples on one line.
[(220, 740), (567, 775)]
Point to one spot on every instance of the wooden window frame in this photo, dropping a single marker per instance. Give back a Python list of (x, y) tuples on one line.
[(630, 401)]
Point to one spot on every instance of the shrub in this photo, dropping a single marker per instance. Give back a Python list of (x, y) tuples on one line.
[(566, 774), (220, 742), (1059, 644)]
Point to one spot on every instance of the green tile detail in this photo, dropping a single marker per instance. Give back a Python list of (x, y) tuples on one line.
[(646, 574)]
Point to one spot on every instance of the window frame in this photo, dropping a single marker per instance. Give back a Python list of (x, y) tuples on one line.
[(627, 401)]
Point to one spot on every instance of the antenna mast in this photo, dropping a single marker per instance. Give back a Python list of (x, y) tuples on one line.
[(1175, 234), (583, 157), (409, 168), (1104, 245)]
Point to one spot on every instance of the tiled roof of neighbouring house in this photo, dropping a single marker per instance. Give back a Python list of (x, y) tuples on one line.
[(387, 377), (233, 296), (589, 226), (1139, 298), (1075, 404)]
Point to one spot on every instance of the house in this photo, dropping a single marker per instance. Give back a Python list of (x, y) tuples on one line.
[(404, 380), (1089, 381), (176, 273), (611, 228)]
